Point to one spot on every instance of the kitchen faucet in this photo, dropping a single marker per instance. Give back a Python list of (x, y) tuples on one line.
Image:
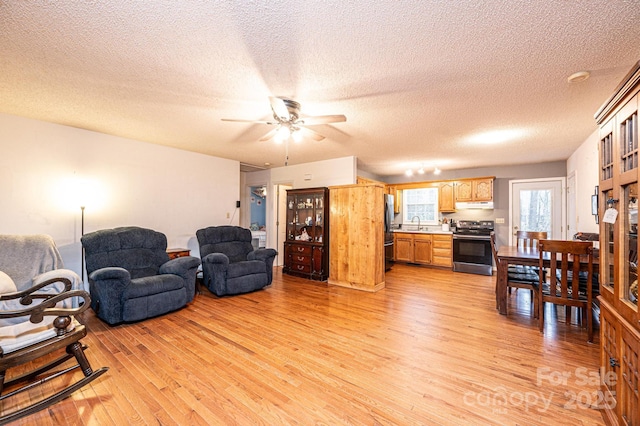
[(418, 221)]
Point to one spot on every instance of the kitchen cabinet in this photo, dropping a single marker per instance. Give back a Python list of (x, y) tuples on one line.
[(403, 246), (618, 256), (356, 253), (397, 197), (446, 197), (470, 190), (442, 246), (423, 248), (307, 240)]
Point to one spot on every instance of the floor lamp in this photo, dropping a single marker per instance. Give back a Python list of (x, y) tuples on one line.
[(81, 247)]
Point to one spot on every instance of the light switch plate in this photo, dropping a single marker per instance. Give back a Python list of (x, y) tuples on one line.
[(500, 220)]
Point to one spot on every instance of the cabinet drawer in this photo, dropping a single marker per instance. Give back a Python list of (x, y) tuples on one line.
[(440, 252), (300, 258), (298, 267), (441, 261), (442, 257), (440, 244), (294, 249)]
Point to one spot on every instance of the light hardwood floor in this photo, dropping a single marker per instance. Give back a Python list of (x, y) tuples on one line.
[(428, 349)]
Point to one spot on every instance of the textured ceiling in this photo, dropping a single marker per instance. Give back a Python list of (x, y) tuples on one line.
[(417, 80)]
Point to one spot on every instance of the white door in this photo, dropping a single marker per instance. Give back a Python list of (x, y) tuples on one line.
[(281, 221), (538, 205)]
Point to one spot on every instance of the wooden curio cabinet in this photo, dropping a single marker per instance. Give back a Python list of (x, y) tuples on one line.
[(306, 245), (618, 259)]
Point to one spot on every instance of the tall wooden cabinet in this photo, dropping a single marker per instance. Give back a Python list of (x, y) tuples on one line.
[(307, 241), (356, 256), (619, 314)]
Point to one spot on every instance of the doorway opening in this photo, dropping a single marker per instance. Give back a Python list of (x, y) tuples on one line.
[(280, 209), (258, 216)]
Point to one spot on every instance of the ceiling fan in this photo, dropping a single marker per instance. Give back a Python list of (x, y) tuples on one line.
[(289, 122)]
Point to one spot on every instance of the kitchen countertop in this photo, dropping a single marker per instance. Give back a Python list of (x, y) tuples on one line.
[(427, 231)]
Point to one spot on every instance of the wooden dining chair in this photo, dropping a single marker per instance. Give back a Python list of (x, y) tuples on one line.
[(566, 260), (529, 239), (519, 278)]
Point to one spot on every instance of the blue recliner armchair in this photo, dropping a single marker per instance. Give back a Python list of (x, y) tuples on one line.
[(131, 277), (230, 265)]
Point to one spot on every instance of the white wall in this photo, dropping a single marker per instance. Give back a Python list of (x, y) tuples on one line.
[(131, 183), (338, 171), (584, 162)]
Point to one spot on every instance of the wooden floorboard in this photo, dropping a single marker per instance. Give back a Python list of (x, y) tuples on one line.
[(430, 348)]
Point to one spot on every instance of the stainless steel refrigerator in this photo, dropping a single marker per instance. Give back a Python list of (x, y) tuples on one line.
[(388, 233)]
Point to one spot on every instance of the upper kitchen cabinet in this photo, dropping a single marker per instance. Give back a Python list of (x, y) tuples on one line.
[(446, 197), (397, 197), (470, 190)]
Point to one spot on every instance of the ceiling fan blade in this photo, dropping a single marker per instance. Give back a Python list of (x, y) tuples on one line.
[(279, 108), (269, 135), (240, 120), (323, 119), (311, 134)]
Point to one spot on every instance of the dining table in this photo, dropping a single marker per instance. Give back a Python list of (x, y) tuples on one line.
[(515, 255)]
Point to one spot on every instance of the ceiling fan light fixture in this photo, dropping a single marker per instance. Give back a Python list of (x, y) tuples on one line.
[(289, 123), (282, 134), (297, 136)]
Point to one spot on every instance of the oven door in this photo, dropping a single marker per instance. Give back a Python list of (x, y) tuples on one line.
[(472, 254)]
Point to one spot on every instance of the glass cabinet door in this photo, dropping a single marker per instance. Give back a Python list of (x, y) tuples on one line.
[(318, 204), (291, 220), (606, 249), (630, 244), (305, 216)]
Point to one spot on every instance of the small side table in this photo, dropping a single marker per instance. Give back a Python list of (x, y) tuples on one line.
[(178, 252)]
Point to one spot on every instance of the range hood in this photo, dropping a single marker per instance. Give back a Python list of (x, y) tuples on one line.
[(488, 205)]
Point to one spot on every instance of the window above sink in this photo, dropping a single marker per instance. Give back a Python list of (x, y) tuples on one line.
[(420, 207)]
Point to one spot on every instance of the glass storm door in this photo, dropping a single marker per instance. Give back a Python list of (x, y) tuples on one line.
[(538, 205)]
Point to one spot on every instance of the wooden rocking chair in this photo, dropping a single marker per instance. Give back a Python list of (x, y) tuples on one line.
[(38, 324)]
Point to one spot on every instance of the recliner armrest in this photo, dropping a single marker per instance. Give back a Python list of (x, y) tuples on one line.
[(107, 286), (179, 265), (216, 258), (262, 254), (186, 268), (266, 255), (111, 273)]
